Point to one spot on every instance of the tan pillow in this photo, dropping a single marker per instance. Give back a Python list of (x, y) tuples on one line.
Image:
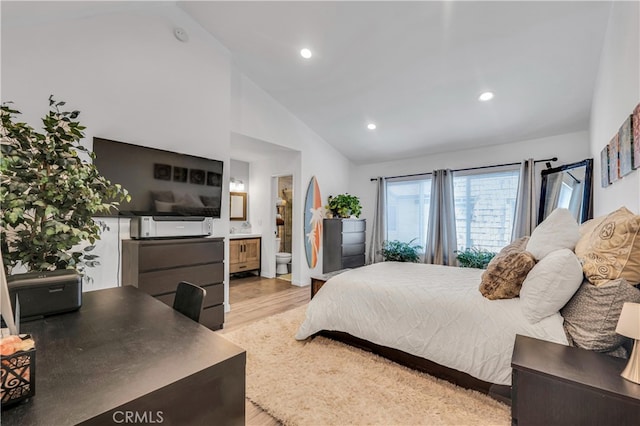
[(585, 230), (612, 250), (503, 278), (515, 247)]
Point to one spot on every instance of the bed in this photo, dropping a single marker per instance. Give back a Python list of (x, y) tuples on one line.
[(434, 318), (427, 311)]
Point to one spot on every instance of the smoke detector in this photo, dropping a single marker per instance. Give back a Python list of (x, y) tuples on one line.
[(181, 34)]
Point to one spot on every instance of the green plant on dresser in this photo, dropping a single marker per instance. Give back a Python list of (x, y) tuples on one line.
[(48, 194), (344, 206)]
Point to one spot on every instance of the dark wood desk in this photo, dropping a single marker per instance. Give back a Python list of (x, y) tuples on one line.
[(126, 352), (560, 385)]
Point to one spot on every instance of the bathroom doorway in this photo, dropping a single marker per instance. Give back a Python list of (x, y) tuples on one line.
[(284, 226)]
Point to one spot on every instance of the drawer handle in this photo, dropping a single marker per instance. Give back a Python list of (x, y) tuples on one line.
[(243, 266)]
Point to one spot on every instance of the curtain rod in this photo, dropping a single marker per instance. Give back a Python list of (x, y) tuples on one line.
[(546, 160)]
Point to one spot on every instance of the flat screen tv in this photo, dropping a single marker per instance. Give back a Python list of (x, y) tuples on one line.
[(161, 183)]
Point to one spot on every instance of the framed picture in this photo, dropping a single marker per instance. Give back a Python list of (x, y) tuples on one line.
[(196, 176), (214, 179), (635, 136), (604, 167), (626, 147), (180, 174), (614, 159), (162, 171)]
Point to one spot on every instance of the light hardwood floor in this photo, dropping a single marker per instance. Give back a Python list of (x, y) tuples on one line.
[(251, 299)]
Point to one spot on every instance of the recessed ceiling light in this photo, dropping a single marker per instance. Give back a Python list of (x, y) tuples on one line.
[(305, 53), (371, 126), (486, 96)]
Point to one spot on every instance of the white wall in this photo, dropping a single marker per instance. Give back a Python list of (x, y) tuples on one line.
[(256, 115), (133, 81), (568, 148), (617, 92)]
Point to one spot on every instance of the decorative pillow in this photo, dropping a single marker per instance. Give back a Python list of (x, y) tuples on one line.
[(163, 207), (516, 246), (591, 316), (210, 201), (503, 279), (550, 285), (164, 196), (613, 249), (559, 230), (187, 200), (585, 230)]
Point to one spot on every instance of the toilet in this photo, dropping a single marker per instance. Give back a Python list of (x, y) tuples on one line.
[(282, 260)]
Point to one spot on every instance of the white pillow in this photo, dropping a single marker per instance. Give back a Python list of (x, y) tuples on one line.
[(559, 230), (164, 207), (187, 199), (550, 285)]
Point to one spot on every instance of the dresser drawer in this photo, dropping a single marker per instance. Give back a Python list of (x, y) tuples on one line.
[(352, 249), (353, 225), (353, 261), (160, 282), (171, 255), (353, 237)]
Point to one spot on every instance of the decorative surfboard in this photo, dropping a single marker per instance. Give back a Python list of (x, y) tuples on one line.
[(313, 215)]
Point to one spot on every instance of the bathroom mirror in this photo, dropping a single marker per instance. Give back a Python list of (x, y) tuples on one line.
[(238, 206), (570, 187)]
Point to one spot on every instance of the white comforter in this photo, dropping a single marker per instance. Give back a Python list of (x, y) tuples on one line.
[(434, 312)]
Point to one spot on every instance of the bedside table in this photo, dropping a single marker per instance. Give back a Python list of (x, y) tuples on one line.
[(317, 281), (555, 384)]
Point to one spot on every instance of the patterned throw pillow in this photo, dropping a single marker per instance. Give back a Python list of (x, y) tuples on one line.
[(503, 278), (591, 316), (612, 250)]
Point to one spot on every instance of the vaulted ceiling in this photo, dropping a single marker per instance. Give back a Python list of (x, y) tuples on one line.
[(416, 69)]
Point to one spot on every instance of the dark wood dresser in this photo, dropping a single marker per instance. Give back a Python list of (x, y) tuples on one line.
[(561, 385), (157, 266), (343, 244)]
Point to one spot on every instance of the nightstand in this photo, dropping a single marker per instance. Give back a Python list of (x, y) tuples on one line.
[(555, 384), (318, 281)]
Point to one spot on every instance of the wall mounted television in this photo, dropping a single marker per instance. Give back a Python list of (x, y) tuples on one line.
[(161, 183)]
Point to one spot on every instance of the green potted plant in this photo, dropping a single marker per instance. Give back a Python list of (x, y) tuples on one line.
[(344, 206), (49, 195), (474, 257), (398, 251)]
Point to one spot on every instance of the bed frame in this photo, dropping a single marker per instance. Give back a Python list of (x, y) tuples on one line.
[(501, 393)]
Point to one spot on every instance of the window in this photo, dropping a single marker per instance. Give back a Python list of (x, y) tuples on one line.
[(408, 210), (485, 205)]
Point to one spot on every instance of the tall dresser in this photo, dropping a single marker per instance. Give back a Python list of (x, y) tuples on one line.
[(157, 266), (343, 244)]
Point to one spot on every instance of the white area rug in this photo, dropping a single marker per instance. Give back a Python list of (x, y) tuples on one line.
[(323, 382)]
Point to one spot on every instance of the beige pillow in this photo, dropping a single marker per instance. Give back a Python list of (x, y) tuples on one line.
[(559, 230), (503, 278), (612, 250), (585, 230)]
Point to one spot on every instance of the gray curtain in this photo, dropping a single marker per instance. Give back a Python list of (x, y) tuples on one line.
[(379, 226), (441, 233), (524, 220)]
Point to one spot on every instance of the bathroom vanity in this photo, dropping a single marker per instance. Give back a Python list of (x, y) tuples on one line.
[(244, 253)]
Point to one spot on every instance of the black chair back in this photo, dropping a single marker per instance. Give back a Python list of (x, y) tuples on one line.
[(189, 300)]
